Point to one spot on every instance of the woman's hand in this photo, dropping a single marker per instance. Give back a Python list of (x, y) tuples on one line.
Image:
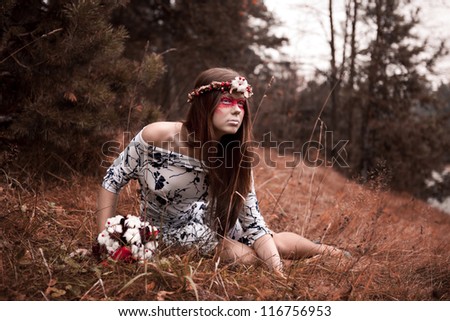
[(267, 251), (279, 273)]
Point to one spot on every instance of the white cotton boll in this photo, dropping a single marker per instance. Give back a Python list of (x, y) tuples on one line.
[(133, 221), (132, 235), (111, 242), (117, 219), (437, 177), (113, 221), (150, 248), (112, 245), (107, 241), (113, 224), (151, 245), (446, 171), (79, 253), (134, 250), (137, 251), (147, 254), (429, 182), (239, 84), (108, 222), (115, 245), (103, 238), (443, 206), (142, 253), (118, 228)]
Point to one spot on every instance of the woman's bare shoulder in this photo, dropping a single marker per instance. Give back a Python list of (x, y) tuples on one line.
[(159, 133)]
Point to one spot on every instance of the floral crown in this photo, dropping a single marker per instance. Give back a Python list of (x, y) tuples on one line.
[(238, 84)]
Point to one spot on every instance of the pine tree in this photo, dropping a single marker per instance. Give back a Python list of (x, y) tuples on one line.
[(65, 85), (394, 130), (393, 119), (196, 35)]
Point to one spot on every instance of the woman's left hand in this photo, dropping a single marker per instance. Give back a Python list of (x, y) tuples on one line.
[(267, 251)]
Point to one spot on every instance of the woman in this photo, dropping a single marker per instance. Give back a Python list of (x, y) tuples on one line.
[(196, 180)]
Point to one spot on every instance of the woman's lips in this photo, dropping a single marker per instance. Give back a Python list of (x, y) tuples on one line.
[(233, 122)]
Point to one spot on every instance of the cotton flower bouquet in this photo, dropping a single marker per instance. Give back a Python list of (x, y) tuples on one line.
[(127, 239)]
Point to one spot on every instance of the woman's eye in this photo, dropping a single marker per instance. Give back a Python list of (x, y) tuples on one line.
[(241, 103), (226, 100)]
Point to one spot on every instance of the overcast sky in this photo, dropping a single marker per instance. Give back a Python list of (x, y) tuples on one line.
[(305, 23)]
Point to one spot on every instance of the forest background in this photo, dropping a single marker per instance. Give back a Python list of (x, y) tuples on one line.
[(79, 78)]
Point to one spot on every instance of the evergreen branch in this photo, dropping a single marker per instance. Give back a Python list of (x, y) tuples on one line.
[(167, 51), (134, 90), (19, 63), (30, 43)]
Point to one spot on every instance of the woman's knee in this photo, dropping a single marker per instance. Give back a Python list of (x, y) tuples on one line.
[(294, 246), (283, 248)]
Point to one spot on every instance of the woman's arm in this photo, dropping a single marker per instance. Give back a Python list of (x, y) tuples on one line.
[(267, 251), (106, 207), (124, 168)]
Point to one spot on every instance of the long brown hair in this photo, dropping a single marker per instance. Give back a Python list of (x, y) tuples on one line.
[(227, 161)]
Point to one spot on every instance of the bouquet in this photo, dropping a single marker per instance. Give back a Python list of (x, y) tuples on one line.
[(127, 238)]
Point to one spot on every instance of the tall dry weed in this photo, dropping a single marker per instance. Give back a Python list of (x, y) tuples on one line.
[(400, 245)]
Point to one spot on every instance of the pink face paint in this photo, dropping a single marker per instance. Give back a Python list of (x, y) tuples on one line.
[(228, 102)]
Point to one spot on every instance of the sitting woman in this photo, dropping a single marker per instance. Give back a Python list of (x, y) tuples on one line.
[(196, 181)]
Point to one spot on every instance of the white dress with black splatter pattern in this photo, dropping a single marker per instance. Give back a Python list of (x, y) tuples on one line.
[(174, 196)]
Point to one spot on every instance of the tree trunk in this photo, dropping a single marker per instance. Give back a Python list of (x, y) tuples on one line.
[(333, 77), (352, 73)]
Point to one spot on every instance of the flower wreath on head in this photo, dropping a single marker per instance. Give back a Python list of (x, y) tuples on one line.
[(238, 84), (127, 239)]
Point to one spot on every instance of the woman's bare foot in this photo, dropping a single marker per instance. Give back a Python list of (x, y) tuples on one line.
[(334, 251)]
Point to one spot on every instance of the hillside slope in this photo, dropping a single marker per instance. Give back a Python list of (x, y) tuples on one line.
[(400, 245)]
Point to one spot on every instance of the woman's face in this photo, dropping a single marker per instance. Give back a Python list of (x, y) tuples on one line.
[(228, 114)]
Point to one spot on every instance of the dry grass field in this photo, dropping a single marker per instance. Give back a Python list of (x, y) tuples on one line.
[(400, 245)]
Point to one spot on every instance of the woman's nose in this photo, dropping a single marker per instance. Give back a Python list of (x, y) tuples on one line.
[(236, 108)]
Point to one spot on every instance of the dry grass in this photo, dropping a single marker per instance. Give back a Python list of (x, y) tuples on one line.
[(400, 246)]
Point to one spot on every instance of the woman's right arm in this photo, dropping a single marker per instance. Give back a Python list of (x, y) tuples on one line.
[(125, 167), (106, 207)]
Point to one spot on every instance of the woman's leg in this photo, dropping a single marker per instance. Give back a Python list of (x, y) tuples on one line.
[(293, 246), (231, 251)]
